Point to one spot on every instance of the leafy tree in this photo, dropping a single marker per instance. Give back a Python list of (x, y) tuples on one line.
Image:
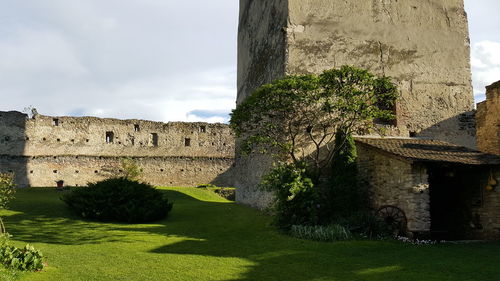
[(297, 117)]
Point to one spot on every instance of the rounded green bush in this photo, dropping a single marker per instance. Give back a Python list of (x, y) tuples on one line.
[(118, 199)]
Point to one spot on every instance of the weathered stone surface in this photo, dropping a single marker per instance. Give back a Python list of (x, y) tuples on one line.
[(78, 150), (423, 45), (395, 182), (488, 120), (489, 211)]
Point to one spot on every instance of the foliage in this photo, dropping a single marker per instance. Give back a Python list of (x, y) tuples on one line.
[(334, 232), (131, 169), (343, 196), (207, 185), (118, 199), (7, 189), (295, 200), (301, 113), (366, 225), (25, 259)]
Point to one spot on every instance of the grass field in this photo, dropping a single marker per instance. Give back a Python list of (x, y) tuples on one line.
[(208, 238)]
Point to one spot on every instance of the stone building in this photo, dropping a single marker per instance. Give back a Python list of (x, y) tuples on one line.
[(424, 46), (43, 149), (488, 120), (439, 188)]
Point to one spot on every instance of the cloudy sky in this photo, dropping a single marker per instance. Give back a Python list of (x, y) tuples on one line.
[(164, 60)]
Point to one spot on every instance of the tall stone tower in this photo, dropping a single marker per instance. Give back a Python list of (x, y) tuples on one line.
[(423, 45)]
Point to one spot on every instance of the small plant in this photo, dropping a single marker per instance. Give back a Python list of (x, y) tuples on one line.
[(7, 190), (131, 169), (334, 232), (118, 199), (25, 259)]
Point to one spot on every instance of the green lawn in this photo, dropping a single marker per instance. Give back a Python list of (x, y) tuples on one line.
[(208, 238)]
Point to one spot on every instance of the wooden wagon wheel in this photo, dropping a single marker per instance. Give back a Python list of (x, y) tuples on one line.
[(394, 217)]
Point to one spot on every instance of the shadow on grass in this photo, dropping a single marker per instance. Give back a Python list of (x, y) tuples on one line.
[(219, 229)]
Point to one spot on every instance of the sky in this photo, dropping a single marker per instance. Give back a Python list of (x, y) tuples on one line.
[(162, 60)]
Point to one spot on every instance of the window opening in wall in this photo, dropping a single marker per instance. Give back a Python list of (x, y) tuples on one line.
[(96, 171), (161, 170), (44, 139), (413, 134), (58, 139), (154, 139), (55, 122), (87, 140), (31, 172), (55, 171), (76, 172), (187, 142), (137, 128), (72, 140), (109, 137), (27, 138), (203, 129)]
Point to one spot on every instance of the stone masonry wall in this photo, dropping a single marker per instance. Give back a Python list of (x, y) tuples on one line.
[(80, 170), (423, 45), (488, 121), (44, 149), (396, 182), (261, 60), (489, 211)]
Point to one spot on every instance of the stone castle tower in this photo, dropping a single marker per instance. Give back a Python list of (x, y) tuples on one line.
[(423, 45)]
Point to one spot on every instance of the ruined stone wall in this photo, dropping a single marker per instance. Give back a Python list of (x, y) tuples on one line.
[(45, 135), (423, 45), (44, 149), (488, 121), (80, 170), (398, 183)]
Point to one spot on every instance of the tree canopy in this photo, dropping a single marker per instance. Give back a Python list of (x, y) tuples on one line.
[(297, 117)]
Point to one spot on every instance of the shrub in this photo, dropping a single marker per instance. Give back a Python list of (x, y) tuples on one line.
[(131, 169), (25, 259), (118, 199), (367, 225), (295, 200), (334, 232), (344, 196)]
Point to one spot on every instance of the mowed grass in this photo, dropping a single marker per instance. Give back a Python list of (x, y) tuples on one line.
[(208, 238)]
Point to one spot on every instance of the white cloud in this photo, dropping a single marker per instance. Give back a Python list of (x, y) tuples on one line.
[(485, 59), (157, 60)]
